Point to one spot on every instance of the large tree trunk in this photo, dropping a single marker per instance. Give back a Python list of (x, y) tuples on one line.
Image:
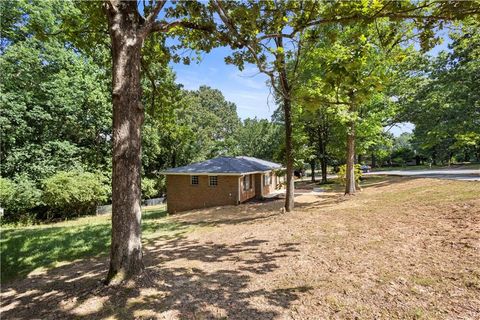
[(290, 193), (350, 181), (323, 164), (322, 150), (287, 113), (128, 115), (374, 161), (312, 167)]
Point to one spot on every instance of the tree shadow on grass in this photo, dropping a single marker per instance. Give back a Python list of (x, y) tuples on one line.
[(149, 214), (367, 182), (26, 249), (186, 279)]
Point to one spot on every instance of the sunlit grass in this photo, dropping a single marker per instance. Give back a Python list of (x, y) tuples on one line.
[(471, 166), (333, 184), (25, 249)]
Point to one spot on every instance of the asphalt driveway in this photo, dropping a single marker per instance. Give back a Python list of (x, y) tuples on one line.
[(451, 174)]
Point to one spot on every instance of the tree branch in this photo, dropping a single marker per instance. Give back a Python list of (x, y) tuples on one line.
[(225, 18), (163, 26)]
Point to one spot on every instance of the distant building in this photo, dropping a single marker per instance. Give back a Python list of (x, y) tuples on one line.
[(219, 181)]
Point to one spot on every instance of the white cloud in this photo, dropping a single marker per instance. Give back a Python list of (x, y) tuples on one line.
[(250, 78), (247, 89)]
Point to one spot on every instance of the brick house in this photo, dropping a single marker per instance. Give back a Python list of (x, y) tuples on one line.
[(219, 181)]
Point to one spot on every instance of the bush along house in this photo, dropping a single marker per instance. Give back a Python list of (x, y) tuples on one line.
[(219, 181)]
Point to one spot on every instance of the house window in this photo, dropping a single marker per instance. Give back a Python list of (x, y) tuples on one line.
[(194, 180), (212, 181), (246, 182), (267, 179)]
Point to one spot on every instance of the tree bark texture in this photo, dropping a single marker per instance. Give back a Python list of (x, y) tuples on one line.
[(350, 179), (322, 147), (312, 167), (290, 193), (322, 142), (286, 91), (128, 115), (323, 165)]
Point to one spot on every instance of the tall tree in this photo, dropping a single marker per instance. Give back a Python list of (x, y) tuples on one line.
[(259, 138), (440, 97), (128, 30), (56, 108), (347, 68), (223, 121), (320, 122), (268, 33)]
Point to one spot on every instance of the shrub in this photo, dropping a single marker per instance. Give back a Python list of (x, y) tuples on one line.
[(74, 193), (19, 198), (7, 191), (342, 173), (149, 188)]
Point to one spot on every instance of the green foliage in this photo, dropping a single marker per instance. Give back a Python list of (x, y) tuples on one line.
[(442, 98), (194, 126), (259, 138), (20, 197), (74, 193), (56, 112), (149, 188), (56, 105), (402, 150), (344, 73), (7, 192), (218, 117), (342, 174)]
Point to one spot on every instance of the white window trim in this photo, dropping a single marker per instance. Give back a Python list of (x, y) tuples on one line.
[(209, 181), (267, 176), (191, 180), (249, 182)]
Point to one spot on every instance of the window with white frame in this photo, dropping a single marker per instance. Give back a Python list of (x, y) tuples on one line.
[(194, 180), (213, 181), (246, 182), (267, 179)]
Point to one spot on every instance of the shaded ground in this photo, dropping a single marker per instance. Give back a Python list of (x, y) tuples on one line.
[(403, 248)]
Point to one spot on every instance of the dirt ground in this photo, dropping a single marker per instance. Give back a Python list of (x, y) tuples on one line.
[(401, 249)]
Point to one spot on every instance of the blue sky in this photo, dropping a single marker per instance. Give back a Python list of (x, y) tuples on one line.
[(247, 89)]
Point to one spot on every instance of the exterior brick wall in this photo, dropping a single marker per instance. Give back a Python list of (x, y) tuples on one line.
[(182, 195), (258, 185), (267, 189), (247, 194)]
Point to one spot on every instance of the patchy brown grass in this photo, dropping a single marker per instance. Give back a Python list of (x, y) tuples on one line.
[(401, 249)]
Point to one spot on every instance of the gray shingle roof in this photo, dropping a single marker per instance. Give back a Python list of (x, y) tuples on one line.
[(234, 165)]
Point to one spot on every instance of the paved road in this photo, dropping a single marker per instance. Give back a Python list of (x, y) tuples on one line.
[(452, 174)]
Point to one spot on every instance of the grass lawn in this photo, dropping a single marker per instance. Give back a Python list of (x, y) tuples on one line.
[(333, 185), (471, 166), (39, 247), (402, 248)]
